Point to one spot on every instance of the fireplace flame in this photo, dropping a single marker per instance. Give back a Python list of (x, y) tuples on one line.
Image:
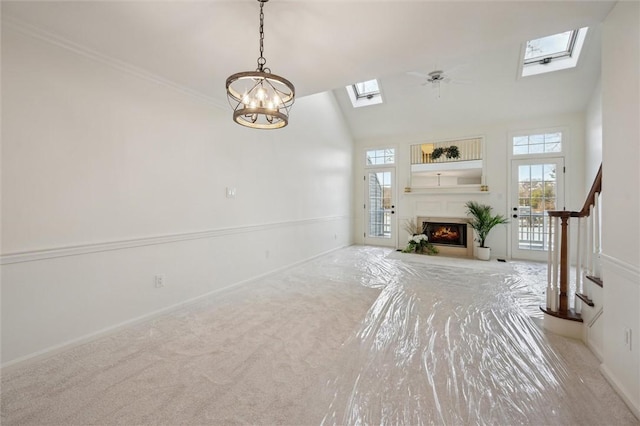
[(446, 233)]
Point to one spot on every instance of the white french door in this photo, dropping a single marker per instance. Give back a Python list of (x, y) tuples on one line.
[(380, 207), (537, 187)]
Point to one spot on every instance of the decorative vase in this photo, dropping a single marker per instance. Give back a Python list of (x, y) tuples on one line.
[(483, 253)]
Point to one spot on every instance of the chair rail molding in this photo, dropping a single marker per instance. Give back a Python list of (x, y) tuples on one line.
[(628, 270), (81, 249)]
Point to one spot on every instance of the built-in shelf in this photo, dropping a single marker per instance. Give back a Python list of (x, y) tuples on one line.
[(467, 168), (471, 167), (447, 190)]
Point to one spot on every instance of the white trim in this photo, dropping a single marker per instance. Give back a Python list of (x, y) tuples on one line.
[(56, 40), (620, 390), (563, 327), (36, 255), (630, 271), (596, 350), (52, 350)]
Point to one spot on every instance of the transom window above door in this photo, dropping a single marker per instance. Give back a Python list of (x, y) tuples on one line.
[(382, 156), (538, 143)]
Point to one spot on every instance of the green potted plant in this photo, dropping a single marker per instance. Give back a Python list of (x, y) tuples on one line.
[(449, 152), (483, 221)]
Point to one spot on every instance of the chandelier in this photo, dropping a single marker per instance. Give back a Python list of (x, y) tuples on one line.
[(260, 99)]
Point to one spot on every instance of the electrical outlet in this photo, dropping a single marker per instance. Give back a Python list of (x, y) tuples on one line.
[(159, 281), (231, 192)]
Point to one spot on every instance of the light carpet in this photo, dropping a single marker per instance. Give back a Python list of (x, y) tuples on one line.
[(362, 335)]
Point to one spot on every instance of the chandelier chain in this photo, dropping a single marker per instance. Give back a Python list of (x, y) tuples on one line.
[(261, 60)]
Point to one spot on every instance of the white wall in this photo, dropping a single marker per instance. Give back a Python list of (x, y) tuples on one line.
[(593, 136), (498, 165), (109, 178), (621, 198)]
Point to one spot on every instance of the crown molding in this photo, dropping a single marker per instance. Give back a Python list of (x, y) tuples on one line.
[(56, 40)]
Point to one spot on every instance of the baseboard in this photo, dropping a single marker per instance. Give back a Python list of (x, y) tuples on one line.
[(634, 406), (595, 350), (65, 346)]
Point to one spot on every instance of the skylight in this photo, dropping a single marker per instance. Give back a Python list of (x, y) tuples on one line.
[(366, 89), (552, 53), (553, 46), (364, 93)]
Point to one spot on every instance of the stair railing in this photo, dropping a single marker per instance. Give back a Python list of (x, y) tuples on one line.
[(587, 255)]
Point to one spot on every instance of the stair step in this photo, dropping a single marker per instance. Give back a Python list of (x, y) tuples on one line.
[(570, 315), (596, 280), (585, 299)]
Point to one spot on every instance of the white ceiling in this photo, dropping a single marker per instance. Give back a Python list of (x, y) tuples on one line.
[(326, 45)]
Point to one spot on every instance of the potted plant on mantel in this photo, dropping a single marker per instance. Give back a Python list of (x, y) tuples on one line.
[(482, 222)]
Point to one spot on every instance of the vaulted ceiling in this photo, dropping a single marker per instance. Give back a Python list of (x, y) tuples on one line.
[(326, 45)]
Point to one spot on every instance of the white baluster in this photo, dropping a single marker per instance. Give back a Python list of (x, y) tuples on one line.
[(579, 282), (596, 236), (549, 264), (568, 281), (590, 242)]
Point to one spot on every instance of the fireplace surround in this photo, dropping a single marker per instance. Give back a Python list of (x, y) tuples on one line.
[(445, 233), (453, 236)]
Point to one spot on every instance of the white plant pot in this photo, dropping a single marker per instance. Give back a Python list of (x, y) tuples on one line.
[(483, 253)]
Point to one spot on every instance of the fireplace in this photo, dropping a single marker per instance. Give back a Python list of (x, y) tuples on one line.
[(452, 235), (445, 233)]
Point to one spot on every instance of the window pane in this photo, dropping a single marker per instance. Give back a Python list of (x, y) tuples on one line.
[(521, 140), (550, 172), (366, 88), (524, 173), (520, 150), (534, 139), (548, 46), (553, 147), (379, 204), (537, 143), (536, 173), (380, 156), (535, 198), (552, 137)]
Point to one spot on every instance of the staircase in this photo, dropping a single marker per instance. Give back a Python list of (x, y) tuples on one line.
[(580, 322)]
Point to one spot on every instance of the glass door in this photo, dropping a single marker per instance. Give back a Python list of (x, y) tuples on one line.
[(379, 208), (538, 187)]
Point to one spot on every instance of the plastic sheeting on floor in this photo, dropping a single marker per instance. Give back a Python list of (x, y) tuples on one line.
[(361, 335), (447, 342)]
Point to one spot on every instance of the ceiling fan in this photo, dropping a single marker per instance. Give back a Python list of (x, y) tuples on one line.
[(435, 78)]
